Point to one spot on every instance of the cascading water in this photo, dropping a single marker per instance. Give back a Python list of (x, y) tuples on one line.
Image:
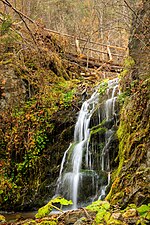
[(85, 169)]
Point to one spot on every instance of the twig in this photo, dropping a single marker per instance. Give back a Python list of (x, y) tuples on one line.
[(76, 106), (16, 10), (127, 4), (22, 16), (86, 213), (55, 207)]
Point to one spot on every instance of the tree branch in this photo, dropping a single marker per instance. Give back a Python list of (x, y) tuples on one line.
[(127, 4), (22, 16), (6, 2)]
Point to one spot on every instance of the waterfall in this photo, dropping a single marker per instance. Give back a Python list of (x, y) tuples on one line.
[(85, 168)]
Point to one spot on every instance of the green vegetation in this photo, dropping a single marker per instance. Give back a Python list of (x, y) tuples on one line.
[(6, 24), (105, 213), (98, 128), (126, 85), (2, 219), (43, 89), (34, 119), (45, 210), (101, 208), (144, 211), (103, 87), (133, 136)]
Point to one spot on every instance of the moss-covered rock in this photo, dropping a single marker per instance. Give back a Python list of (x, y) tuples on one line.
[(131, 177)]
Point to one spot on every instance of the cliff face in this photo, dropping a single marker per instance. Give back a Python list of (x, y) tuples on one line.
[(131, 179), (37, 108)]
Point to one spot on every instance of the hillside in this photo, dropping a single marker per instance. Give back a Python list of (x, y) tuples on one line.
[(41, 93)]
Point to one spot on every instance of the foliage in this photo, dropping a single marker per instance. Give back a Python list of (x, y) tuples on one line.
[(27, 124), (2, 219), (45, 210), (133, 135), (87, 18), (9, 38), (122, 97), (101, 208), (105, 214), (126, 85), (6, 24), (95, 206), (103, 87), (129, 63), (144, 211)]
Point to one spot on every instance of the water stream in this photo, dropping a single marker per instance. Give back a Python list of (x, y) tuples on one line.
[(85, 168)]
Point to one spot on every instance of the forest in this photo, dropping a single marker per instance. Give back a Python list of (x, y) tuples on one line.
[(74, 112)]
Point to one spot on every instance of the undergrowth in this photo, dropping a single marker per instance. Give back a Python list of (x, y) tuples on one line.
[(45, 88)]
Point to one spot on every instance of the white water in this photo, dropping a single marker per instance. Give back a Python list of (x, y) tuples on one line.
[(77, 164)]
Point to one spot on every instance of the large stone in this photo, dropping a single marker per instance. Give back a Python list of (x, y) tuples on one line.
[(130, 213)]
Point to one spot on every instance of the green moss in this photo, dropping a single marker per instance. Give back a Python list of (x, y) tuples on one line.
[(133, 134), (128, 65), (129, 62), (123, 137), (103, 87), (6, 24), (98, 128), (124, 73), (113, 190)]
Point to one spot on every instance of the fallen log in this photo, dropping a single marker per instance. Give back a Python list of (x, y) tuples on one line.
[(93, 63)]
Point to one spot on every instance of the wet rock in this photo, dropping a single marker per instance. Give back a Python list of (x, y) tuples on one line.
[(77, 217), (117, 216), (73, 217), (130, 213), (81, 221)]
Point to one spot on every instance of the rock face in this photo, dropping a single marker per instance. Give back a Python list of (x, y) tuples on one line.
[(12, 88), (132, 176), (36, 118), (40, 95)]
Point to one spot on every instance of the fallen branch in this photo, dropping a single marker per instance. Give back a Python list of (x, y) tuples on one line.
[(86, 213), (76, 106)]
